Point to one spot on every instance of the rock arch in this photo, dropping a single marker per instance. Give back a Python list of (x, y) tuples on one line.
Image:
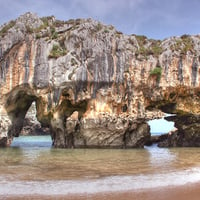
[(185, 104), (17, 104), (53, 113), (81, 123)]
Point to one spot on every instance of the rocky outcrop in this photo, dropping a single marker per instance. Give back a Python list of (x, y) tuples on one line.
[(187, 133), (113, 82), (5, 123)]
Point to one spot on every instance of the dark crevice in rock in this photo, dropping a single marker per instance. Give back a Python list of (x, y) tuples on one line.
[(168, 107), (56, 95), (26, 66), (194, 71), (166, 66), (180, 70), (4, 68)]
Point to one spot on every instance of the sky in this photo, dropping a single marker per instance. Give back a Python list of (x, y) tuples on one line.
[(157, 19), (160, 126)]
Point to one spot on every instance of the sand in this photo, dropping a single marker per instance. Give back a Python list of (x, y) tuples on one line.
[(186, 192)]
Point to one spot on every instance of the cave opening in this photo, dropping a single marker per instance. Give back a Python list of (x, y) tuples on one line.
[(32, 134), (161, 126), (31, 125), (22, 108), (160, 129)]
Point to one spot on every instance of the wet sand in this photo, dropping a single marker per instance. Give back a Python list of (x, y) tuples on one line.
[(186, 192)]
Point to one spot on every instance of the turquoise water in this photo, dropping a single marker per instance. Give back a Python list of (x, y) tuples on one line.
[(32, 166), (32, 141)]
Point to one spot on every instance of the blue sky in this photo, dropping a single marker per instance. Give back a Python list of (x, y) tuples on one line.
[(156, 19), (160, 126)]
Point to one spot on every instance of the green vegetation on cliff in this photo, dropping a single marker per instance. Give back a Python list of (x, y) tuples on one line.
[(5, 29), (184, 44), (148, 47), (157, 71), (188, 44), (57, 51)]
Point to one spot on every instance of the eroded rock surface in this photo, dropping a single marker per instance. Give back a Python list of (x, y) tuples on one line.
[(113, 82), (187, 133)]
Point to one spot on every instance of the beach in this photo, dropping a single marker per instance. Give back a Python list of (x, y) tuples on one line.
[(185, 192)]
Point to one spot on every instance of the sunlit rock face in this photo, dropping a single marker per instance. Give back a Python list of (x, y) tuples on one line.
[(93, 86), (4, 128)]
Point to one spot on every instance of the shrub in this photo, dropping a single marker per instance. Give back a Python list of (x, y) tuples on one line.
[(99, 26), (106, 31), (157, 71), (45, 21), (184, 44), (157, 50), (38, 36), (45, 24), (59, 23), (54, 34), (4, 30), (29, 29), (57, 51), (188, 44), (176, 46), (141, 39), (154, 48)]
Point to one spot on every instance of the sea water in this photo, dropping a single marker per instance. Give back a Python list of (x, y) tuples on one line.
[(32, 167)]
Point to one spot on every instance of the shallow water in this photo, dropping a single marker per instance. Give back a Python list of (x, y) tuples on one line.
[(31, 166)]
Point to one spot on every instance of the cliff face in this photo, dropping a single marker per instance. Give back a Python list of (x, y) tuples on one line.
[(93, 86)]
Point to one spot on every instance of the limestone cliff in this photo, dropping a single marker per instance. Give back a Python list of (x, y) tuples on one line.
[(93, 86)]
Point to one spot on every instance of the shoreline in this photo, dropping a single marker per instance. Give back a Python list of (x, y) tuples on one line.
[(184, 192)]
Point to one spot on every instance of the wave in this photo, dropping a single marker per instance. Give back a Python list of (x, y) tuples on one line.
[(107, 184)]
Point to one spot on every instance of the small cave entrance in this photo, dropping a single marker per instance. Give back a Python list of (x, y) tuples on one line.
[(21, 108), (162, 121), (161, 126)]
